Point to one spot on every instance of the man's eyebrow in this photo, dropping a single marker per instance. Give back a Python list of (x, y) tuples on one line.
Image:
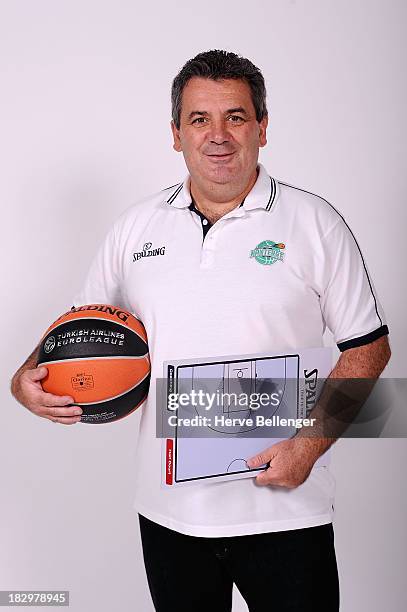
[(238, 109), (199, 113), (230, 111)]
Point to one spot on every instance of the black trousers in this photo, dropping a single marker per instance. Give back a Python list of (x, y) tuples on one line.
[(284, 571)]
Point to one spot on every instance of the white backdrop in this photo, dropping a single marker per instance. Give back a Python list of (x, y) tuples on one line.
[(84, 126)]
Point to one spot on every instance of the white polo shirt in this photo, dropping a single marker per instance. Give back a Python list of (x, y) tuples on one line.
[(268, 276)]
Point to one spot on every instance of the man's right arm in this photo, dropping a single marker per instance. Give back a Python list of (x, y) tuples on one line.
[(26, 388)]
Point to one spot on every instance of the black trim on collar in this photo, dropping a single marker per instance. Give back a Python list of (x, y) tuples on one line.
[(273, 191), (174, 195), (170, 187), (362, 340)]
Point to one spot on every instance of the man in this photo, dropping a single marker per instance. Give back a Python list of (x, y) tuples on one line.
[(202, 295)]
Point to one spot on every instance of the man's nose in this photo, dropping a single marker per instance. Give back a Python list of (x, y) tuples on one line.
[(219, 133)]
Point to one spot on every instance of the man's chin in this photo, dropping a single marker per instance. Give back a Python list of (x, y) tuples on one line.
[(222, 175)]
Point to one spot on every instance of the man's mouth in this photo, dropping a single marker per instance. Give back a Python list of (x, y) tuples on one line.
[(220, 156)]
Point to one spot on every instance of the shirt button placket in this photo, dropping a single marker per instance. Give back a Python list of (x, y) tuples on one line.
[(207, 255)]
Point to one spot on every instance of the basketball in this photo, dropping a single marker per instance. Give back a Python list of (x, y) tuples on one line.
[(97, 354)]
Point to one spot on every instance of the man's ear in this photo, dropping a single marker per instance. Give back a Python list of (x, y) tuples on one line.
[(177, 142), (263, 131)]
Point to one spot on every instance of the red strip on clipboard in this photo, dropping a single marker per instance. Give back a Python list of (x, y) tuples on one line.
[(169, 461)]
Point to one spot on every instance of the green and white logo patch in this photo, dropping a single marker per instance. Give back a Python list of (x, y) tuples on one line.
[(268, 252)]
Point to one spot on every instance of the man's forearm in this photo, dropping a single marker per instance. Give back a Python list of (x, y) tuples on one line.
[(29, 364), (345, 391)]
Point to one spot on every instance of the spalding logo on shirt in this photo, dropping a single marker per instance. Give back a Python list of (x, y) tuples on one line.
[(148, 251), (268, 252)]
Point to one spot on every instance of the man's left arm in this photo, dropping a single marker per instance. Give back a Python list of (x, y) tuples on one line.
[(291, 461)]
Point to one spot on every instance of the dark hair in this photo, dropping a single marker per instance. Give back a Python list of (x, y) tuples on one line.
[(218, 64)]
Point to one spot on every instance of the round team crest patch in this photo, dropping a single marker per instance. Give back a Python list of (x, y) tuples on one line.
[(268, 252)]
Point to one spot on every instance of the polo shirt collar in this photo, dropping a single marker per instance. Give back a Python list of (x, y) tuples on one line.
[(263, 194)]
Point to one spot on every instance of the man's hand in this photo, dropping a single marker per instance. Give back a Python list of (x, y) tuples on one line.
[(291, 462), (26, 388)]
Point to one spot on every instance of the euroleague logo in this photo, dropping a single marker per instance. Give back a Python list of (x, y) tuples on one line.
[(49, 344)]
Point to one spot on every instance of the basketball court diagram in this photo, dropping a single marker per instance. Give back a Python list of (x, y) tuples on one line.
[(219, 447), (227, 441)]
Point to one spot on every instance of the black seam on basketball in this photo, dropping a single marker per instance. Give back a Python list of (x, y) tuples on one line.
[(98, 319), (119, 406), (99, 358), (75, 340)]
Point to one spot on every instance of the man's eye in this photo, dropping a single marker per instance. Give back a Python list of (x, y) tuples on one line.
[(199, 120), (235, 119)]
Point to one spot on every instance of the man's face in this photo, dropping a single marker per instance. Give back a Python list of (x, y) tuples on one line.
[(219, 135)]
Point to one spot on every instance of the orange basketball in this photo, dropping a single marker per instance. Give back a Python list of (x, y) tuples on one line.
[(97, 354)]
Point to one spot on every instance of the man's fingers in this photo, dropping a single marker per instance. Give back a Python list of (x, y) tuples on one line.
[(261, 459), (270, 477), (56, 412), (36, 374), (57, 408), (265, 478), (65, 420), (278, 477), (49, 399)]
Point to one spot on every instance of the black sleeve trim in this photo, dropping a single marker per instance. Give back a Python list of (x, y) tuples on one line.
[(362, 340)]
